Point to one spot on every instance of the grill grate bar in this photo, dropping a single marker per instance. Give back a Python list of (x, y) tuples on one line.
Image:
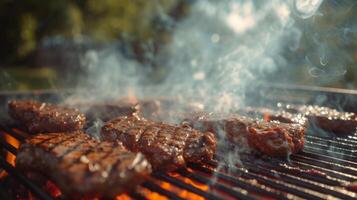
[(330, 172), (154, 187), (341, 142), (330, 153), (8, 147), (185, 186), (12, 132), (23, 180), (325, 164), (329, 158), (354, 138), (201, 179), (300, 182), (242, 184), (317, 176), (330, 147), (351, 139), (233, 170)]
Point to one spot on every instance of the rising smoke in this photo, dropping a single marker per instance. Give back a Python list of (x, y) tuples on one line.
[(217, 52)]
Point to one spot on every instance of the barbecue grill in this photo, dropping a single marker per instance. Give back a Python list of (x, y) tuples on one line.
[(325, 169)]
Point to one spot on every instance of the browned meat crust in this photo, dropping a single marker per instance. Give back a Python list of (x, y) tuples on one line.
[(166, 146), (325, 118), (166, 110), (271, 138), (273, 115), (82, 166), (43, 117), (106, 111)]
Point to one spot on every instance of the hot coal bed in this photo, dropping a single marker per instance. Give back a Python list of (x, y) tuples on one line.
[(326, 168)]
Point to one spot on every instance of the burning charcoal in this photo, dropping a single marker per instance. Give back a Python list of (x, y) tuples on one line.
[(82, 166), (271, 138), (44, 117), (327, 119), (165, 146)]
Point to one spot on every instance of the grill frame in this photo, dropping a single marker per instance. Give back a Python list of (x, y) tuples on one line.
[(257, 177)]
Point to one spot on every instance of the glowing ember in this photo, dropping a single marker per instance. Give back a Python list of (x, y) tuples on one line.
[(15, 143), (123, 197), (152, 195), (52, 189)]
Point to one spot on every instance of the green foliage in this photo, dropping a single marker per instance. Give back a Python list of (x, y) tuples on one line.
[(25, 23)]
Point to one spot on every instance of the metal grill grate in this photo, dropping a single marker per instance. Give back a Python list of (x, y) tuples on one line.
[(321, 171)]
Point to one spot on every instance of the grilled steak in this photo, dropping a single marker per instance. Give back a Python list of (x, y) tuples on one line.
[(43, 117), (165, 146), (82, 166), (166, 110), (271, 138), (274, 115), (105, 111), (327, 119)]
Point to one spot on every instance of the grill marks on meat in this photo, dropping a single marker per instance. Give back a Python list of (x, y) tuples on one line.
[(271, 138), (166, 146), (43, 117), (82, 166)]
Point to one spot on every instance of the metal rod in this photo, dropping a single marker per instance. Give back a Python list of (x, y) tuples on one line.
[(11, 132), (329, 158), (224, 188), (333, 148), (325, 164), (341, 142), (241, 183), (233, 170), (37, 191), (330, 172), (299, 182)]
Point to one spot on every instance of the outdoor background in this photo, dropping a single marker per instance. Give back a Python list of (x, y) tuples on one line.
[(42, 41)]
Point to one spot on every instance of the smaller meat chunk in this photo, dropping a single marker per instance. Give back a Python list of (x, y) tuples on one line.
[(271, 138), (81, 166), (166, 146), (327, 119), (104, 111), (268, 114), (40, 117), (166, 110)]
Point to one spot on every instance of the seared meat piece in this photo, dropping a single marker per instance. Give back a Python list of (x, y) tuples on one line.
[(82, 166), (272, 115), (325, 118), (166, 110), (271, 138), (106, 111), (165, 146), (44, 117)]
